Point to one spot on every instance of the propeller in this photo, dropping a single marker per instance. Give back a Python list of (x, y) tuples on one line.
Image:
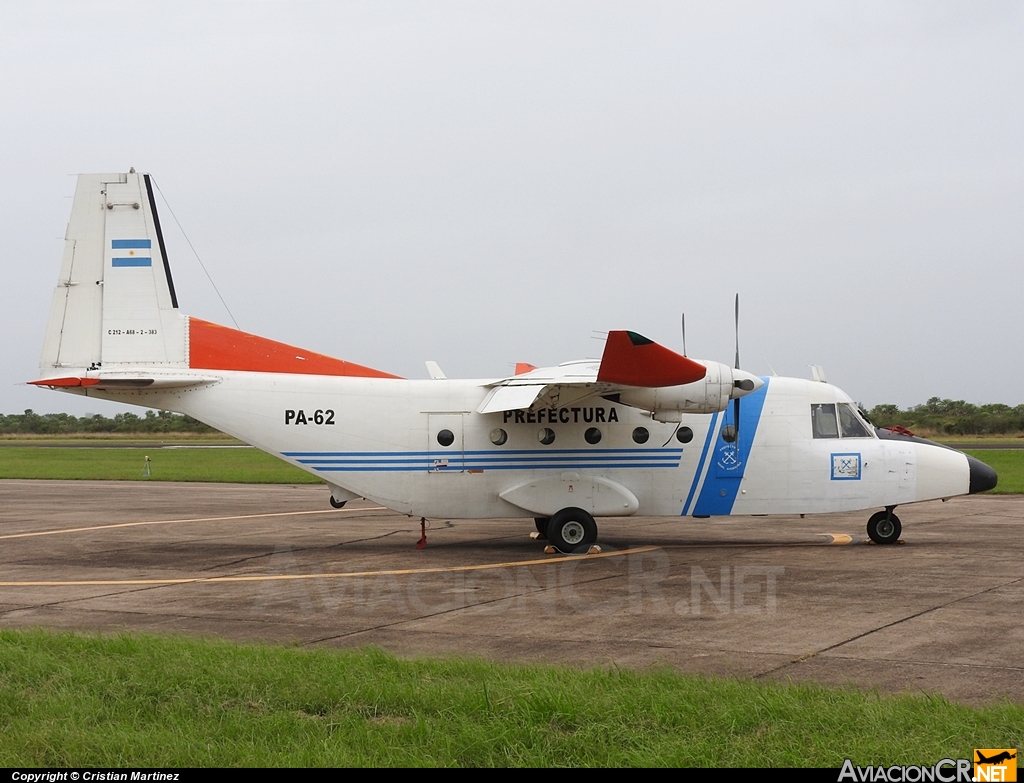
[(737, 331), (684, 334), (736, 402)]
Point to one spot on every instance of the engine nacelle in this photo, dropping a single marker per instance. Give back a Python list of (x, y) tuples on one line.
[(709, 395)]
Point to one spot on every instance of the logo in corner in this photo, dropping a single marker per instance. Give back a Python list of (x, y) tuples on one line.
[(995, 764)]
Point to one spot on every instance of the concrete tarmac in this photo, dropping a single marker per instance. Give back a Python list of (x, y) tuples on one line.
[(776, 597)]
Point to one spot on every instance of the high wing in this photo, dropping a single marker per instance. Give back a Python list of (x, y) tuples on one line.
[(545, 387), (633, 370)]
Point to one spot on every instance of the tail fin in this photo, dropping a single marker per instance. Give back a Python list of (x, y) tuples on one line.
[(114, 311), (114, 304)]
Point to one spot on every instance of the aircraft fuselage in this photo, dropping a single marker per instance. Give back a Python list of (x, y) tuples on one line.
[(383, 439)]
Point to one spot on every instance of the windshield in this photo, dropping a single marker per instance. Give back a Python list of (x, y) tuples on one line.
[(832, 420), (850, 423)]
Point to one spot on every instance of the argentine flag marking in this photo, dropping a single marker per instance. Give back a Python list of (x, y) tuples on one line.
[(132, 257)]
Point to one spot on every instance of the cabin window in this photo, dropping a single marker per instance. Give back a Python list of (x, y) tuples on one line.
[(823, 420), (498, 436), (546, 436), (592, 435), (850, 424), (640, 435), (684, 435), (445, 437), (729, 433)]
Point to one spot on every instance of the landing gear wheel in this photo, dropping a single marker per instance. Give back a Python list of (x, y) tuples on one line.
[(337, 504), (542, 525), (884, 528), (572, 530)]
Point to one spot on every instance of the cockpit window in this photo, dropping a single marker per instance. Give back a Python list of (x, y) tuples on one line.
[(826, 424), (850, 423), (823, 420)]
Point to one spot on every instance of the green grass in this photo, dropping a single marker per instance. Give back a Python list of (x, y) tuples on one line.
[(242, 465), (77, 700)]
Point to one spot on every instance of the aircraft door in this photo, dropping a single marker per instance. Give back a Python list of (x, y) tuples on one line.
[(445, 443)]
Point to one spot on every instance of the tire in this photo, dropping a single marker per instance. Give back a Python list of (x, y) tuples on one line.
[(542, 525), (336, 504), (884, 528), (572, 530)]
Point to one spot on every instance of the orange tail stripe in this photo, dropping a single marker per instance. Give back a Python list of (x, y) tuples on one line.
[(214, 347)]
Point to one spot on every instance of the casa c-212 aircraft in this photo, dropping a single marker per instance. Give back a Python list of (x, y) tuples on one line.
[(644, 430)]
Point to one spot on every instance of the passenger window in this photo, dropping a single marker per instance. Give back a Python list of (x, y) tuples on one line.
[(850, 423), (823, 420)]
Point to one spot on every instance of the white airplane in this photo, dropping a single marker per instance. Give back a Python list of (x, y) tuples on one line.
[(644, 430)]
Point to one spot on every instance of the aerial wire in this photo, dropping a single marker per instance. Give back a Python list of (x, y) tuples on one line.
[(192, 247)]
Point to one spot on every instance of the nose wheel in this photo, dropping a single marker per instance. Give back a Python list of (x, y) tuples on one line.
[(884, 527)]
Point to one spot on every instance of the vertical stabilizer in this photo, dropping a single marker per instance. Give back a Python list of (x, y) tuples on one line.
[(114, 305)]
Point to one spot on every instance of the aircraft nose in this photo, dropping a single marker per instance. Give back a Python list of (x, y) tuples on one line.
[(982, 476)]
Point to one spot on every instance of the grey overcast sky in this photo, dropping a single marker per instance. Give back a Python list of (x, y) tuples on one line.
[(485, 183)]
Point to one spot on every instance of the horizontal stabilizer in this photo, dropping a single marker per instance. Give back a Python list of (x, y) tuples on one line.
[(150, 381), (631, 359)]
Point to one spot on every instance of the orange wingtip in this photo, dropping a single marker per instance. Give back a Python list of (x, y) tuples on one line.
[(631, 359), (523, 367), (65, 382), (213, 347)]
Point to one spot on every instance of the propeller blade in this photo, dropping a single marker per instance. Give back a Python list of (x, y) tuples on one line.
[(684, 334), (736, 402), (737, 331)]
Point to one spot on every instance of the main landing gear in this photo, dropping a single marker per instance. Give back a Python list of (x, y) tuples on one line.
[(571, 530), (885, 527)]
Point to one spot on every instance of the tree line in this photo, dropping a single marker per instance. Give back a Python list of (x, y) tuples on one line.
[(951, 417), (32, 423)]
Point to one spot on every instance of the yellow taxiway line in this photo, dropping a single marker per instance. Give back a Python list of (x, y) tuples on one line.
[(341, 575), (177, 521)]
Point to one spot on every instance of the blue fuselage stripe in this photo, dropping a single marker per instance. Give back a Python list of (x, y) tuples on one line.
[(539, 452), (671, 460), (454, 468), (712, 429), (728, 461)]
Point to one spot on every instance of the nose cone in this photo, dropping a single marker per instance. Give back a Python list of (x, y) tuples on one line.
[(983, 478), (744, 383)]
